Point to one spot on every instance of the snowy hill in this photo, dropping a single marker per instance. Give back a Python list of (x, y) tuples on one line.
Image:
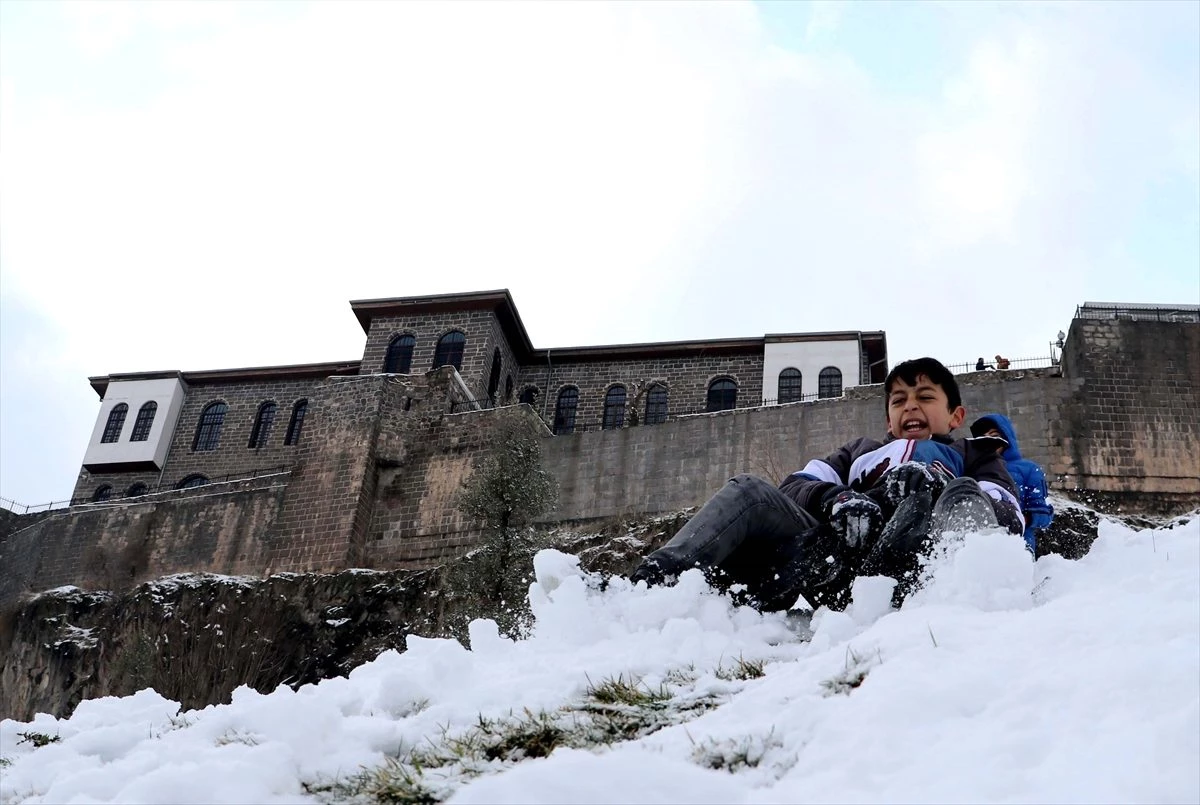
[(1004, 680)]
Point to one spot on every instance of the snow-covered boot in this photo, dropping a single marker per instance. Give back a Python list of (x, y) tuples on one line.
[(962, 507), (904, 540)]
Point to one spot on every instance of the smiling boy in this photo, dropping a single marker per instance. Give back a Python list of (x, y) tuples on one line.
[(870, 508)]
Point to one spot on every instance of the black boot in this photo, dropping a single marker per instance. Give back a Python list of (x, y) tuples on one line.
[(905, 539)]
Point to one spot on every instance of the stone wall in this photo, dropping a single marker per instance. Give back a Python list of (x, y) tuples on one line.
[(685, 377), (680, 463), (1132, 424), (110, 546), (232, 455)]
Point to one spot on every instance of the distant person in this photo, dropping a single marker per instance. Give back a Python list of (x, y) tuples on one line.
[(870, 508), (980, 365), (1028, 476), (1001, 363)]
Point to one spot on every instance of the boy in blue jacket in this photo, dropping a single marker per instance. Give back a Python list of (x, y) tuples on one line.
[(870, 508), (1028, 476)]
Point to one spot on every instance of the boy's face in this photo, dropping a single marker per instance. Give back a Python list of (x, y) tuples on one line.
[(920, 411)]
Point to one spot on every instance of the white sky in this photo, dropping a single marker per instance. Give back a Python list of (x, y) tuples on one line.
[(202, 186), (1002, 681)]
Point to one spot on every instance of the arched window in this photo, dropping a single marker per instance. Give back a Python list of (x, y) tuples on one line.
[(208, 432), (829, 384), (564, 411), (508, 388), (192, 481), (722, 395), (296, 423), (789, 386), (494, 377), (141, 425), (103, 493), (450, 350), (399, 354), (136, 490), (656, 404), (529, 395), (614, 408), (116, 421), (261, 432)]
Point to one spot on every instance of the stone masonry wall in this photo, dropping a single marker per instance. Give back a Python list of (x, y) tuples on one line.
[(1133, 423), (686, 379), (219, 529), (232, 455), (680, 463)]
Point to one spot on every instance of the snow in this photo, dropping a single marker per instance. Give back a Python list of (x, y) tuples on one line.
[(1002, 680)]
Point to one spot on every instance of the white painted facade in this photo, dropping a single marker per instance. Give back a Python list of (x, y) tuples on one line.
[(168, 393), (810, 357)]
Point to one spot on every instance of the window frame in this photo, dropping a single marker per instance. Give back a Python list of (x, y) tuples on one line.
[(712, 403), (208, 428), (653, 401), (824, 386), (614, 410), (789, 386), (565, 414), (449, 350), (144, 422), (115, 424), (296, 423), (264, 421), (398, 358)]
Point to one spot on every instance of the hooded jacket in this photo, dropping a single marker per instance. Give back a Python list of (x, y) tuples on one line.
[(861, 464), (1028, 476)]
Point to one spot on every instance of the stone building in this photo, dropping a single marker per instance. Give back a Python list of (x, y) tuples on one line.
[(175, 430)]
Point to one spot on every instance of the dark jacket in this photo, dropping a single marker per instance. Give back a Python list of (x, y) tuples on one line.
[(862, 463), (1029, 478)]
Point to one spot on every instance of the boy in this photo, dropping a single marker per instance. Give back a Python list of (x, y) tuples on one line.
[(1028, 476), (867, 509)]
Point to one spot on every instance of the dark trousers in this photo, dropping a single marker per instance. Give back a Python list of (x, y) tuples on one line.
[(750, 533)]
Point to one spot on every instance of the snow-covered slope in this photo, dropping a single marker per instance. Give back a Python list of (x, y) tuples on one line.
[(1004, 680)]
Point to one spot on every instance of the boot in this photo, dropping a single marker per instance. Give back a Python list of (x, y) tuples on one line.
[(963, 506)]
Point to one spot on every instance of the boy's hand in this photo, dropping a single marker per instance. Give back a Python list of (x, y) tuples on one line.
[(855, 518), (911, 477)]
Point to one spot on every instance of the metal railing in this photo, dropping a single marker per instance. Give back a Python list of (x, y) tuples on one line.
[(1131, 312), (1013, 363), (120, 495)]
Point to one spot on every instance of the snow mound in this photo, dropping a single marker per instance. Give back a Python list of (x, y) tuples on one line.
[(1001, 680)]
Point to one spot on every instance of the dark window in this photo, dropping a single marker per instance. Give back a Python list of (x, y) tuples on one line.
[(564, 411), (722, 395), (208, 432), (494, 377), (399, 354), (116, 421), (529, 395), (450, 350), (136, 490), (508, 387), (103, 493), (296, 423), (829, 384), (192, 481), (614, 408), (789, 386), (141, 425), (656, 404), (261, 432)]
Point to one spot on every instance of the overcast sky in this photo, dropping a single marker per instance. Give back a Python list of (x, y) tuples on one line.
[(203, 186)]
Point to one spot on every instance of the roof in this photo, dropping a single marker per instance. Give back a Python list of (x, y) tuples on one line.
[(298, 371)]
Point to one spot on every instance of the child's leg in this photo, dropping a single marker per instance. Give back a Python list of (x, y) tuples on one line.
[(748, 517)]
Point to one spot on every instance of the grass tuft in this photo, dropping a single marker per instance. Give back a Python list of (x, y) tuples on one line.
[(742, 669), (38, 739)]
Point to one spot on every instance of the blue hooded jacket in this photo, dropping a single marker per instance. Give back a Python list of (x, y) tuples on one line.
[(1028, 476)]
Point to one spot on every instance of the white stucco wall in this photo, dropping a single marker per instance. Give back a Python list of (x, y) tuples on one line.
[(167, 392), (810, 357)]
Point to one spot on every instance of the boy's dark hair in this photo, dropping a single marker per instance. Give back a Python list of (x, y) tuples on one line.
[(909, 371)]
